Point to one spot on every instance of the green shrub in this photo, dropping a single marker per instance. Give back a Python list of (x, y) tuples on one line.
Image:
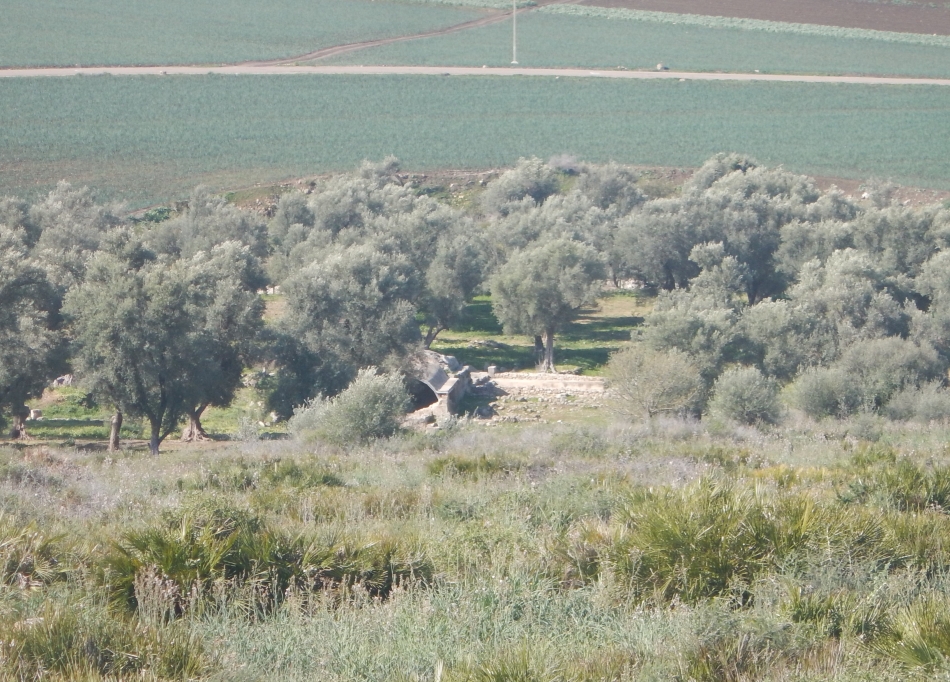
[(28, 556), (709, 538), (195, 550), (822, 392), (930, 402), (881, 368), (530, 178), (919, 636), (901, 485), (473, 467), (647, 383), (85, 641), (371, 407), (745, 395), (239, 474)]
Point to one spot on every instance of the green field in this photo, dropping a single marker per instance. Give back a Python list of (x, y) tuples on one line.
[(95, 32), (563, 40), (149, 140)]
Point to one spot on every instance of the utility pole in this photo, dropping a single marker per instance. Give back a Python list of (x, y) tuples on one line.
[(514, 31)]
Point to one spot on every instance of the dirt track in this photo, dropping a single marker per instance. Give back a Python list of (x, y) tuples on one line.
[(493, 18), (249, 70)]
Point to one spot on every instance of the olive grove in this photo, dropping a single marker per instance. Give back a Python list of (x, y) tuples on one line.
[(843, 304)]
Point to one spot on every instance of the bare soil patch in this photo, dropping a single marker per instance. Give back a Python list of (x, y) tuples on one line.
[(903, 18)]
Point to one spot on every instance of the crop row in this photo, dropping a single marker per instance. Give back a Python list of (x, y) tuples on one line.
[(569, 40), (148, 139), (748, 24), (201, 31)]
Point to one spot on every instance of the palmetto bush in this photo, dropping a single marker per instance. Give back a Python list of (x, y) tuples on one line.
[(710, 538), (80, 639), (190, 554), (29, 556)]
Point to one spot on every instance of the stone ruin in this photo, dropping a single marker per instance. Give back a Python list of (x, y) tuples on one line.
[(440, 384)]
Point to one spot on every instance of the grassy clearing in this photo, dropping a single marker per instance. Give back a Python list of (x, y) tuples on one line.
[(150, 140), (584, 346), (663, 551), (587, 39), (71, 418), (113, 32)]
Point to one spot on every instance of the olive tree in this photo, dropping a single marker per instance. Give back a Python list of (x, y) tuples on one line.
[(541, 289), (227, 315), (351, 310), (32, 348), (129, 325), (531, 181), (646, 383), (157, 337), (454, 274)]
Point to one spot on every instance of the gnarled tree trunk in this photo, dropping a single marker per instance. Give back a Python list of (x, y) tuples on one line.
[(539, 350), (114, 431), (194, 431), (155, 438), (430, 336), (20, 415), (548, 364)]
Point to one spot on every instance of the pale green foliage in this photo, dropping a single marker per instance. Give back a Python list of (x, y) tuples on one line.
[(355, 305), (456, 271), (130, 322), (610, 187), (209, 221), (880, 368), (701, 321), (647, 383), (929, 402), (824, 392), (744, 395), (733, 201), (32, 347), (540, 290), (155, 338), (530, 182), (867, 376), (70, 225), (371, 407)]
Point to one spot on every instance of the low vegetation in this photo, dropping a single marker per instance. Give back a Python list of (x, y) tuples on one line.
[(516, 552)]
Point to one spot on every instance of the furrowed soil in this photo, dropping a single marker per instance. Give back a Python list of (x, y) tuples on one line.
[(903, 18)]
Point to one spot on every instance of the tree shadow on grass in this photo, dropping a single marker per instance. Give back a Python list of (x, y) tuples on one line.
[(602, 329), (480, 357), (479, 318)]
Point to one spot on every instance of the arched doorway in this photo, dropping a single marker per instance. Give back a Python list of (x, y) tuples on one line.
[(421, 394)]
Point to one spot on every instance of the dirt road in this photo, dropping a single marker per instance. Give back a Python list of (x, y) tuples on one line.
[(274, 70), (493, 18)]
